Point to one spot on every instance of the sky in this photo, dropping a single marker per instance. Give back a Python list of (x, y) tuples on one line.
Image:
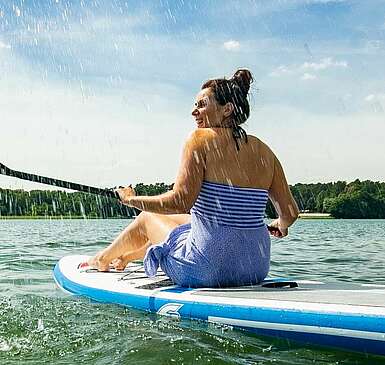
[(100, 92)]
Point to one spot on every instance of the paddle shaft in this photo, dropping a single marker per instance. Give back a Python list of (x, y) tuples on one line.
[(4, 170)]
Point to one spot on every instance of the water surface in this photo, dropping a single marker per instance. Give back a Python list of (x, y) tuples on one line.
[(40, 324)]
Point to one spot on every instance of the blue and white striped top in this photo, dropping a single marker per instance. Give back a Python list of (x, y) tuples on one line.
[(231, 206)]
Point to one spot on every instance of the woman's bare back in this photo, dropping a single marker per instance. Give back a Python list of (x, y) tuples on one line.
[(252, 166)]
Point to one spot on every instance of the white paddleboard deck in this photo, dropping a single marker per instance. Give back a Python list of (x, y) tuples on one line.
[(349, 316)]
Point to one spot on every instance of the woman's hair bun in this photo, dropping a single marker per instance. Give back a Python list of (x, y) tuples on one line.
[(234, 90), (243, 78)]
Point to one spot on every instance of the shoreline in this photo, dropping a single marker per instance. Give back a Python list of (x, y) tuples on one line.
[(315, 216)]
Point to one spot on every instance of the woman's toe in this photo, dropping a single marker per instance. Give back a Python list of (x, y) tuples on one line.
[(119, 264), (95, 263)]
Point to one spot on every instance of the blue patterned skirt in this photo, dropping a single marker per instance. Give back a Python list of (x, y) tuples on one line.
[(205, 254)]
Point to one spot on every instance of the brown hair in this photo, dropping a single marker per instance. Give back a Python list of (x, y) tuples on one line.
[(235, 91)]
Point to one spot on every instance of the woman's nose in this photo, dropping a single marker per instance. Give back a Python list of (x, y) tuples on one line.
[(195, 112)]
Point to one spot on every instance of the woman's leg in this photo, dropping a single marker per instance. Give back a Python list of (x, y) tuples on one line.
[(132, 242)]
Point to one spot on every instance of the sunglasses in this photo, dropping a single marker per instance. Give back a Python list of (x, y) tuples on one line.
[(202, 103)]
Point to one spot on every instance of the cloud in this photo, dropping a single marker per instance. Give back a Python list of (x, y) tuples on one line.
[(376, 102), (324, 64), (280, 71), (232, 45), (307, 76), (375, 97), (4, 45), (375, 44)]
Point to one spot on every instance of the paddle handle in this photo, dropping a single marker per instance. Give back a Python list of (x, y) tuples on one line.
[(273, 230), (110, 193)]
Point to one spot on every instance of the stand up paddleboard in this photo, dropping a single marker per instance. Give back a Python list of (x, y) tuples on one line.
[(346, 316)]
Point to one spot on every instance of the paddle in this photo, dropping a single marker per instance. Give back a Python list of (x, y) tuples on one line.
[(4, 170)]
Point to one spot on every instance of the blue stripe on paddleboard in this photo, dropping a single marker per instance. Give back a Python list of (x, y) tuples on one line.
[(201, 310), (337, 342)]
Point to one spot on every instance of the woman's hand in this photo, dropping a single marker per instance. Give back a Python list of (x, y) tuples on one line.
[(125, 194), (277, 230)]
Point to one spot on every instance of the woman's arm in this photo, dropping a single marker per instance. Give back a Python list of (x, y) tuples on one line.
[(187, 185), (282, 198)]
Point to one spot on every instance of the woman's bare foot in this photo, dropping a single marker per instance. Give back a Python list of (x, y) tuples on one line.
[(121, 262), (97, 262)]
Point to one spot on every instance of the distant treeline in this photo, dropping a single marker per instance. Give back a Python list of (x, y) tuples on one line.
[(358, 199)]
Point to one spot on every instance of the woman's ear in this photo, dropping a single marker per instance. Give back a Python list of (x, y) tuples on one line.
[(229, 108)]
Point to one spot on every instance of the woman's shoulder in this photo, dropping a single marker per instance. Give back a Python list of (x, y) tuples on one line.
[(200, 136), (259, 145), (203, 133)]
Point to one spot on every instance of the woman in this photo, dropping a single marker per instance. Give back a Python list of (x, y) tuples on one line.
[(224, 181)]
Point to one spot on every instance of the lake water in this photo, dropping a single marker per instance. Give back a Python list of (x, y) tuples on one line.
[(40, 324)]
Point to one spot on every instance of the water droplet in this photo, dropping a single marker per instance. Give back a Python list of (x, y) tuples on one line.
[(17, 10), (40, 325)]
